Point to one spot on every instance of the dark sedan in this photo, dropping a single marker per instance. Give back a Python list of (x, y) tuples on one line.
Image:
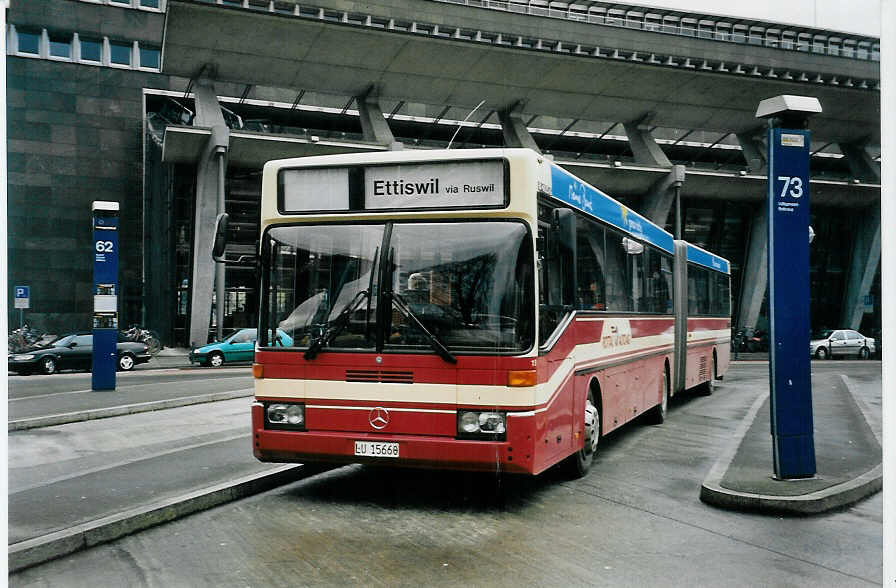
[(75, 352)]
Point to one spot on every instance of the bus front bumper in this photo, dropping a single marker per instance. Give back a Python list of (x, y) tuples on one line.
[(413, 450)]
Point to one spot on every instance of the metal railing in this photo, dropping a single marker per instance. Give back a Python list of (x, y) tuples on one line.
[(692, 25)]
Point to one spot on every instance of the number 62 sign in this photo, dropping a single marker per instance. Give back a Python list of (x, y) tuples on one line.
[(105, 243)]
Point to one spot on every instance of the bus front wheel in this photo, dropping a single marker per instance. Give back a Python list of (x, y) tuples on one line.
[(578, 464)]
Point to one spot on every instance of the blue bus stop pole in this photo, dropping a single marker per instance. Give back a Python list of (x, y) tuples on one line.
[(793, 443), (105, 294)]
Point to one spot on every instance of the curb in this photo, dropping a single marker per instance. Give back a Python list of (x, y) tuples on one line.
[(42, 549), (837, 496), (113, 411), (831, 498)]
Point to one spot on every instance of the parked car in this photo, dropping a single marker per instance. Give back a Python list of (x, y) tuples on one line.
[(74, 352), (841, 343), (238, 347)]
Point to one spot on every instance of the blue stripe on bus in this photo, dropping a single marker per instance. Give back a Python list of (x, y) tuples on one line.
[(569, 189), (707, 259)]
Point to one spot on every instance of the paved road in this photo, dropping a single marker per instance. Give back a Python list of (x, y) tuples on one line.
[(68, 393), (635, 520)]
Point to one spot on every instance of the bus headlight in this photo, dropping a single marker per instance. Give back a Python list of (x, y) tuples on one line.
[(481, 425), (285, 416)]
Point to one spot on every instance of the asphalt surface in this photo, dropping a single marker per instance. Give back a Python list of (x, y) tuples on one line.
[(39, 401), (85, 483), (847, 451)]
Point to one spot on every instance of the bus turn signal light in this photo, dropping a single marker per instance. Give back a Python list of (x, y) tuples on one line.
[(518, 378), (257, 371)]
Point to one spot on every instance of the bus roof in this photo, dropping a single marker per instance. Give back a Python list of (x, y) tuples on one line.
[(564, 187), (707, 259), (583, 196)]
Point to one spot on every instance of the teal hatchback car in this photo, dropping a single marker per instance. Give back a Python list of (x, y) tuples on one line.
[(239, 347)]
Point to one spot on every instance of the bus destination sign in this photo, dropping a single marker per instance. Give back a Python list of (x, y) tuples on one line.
[(438, 185), (441, 185)]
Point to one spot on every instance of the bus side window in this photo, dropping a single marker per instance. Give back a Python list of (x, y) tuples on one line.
[(658, 282), (618, 271), (591, 294), (555, 247), (550, 311)]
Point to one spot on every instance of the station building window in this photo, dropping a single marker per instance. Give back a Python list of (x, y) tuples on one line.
[(29, 42), (150, 57), (91, 49), (120, 53), (61, 46)]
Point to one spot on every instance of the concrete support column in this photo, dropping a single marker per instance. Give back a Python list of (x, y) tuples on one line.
[(210, 170), (754, 152), (514, 129), (862, 267), (754, 280), (861, 165), (661, 198), (373, 124), (644, 146)]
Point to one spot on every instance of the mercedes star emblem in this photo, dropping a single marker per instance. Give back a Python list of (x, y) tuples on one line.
[(379, 418)]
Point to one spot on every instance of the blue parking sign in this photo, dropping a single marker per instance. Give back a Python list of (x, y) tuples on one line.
[(22, 296)]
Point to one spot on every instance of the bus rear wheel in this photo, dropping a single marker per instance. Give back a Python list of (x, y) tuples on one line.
[(578, 464), (657, 414)]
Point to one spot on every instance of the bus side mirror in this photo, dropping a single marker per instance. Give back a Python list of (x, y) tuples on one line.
[(632, 247), (220, 237)]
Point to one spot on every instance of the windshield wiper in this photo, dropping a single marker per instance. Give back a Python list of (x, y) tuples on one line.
[(402, 305), (338, 324)]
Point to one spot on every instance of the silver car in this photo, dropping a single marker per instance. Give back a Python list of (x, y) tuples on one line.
[(841, 343)]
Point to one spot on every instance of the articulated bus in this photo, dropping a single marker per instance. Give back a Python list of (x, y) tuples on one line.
[(478, 309)]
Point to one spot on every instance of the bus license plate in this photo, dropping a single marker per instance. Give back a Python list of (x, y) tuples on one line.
[(374, 449)]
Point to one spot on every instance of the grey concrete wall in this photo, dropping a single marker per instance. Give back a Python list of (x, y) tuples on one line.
[(85, 18), (74, 136)]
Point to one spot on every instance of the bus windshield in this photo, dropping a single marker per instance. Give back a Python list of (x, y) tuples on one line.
[(464, 286)]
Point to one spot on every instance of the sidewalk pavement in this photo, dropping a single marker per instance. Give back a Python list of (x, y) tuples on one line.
[(80, 484), (847, 450)]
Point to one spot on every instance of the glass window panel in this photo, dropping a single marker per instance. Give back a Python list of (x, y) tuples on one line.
[(91, 49), (589, 266), (120, 53), (149, 4), (658, 282), (29, 42), (469, 284), (466, 282), (61, 47), (636, 280), (618, 273), (150, 57)]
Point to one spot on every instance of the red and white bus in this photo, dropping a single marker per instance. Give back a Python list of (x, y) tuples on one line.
[(473, 309)]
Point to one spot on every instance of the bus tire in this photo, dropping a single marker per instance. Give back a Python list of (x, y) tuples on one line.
[(578, 464), (657, 414)]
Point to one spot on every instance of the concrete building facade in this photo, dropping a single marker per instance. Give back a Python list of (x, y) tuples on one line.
[(152, 103)]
